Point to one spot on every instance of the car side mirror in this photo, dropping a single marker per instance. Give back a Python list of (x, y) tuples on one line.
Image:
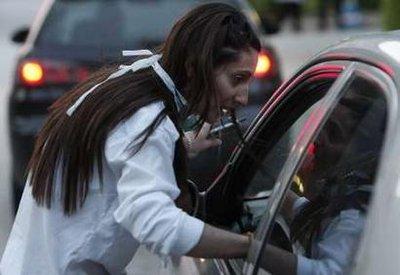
[(20, 35)]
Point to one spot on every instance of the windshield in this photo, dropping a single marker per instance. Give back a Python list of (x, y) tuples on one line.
[(112, 23)]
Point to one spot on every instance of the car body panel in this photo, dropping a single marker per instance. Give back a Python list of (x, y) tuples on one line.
[(380, 245)]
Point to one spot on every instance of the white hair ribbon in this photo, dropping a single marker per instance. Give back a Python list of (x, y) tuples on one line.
[(151, 61)]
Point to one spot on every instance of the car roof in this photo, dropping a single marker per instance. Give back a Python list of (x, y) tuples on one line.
[(380, 49), (109, 52)]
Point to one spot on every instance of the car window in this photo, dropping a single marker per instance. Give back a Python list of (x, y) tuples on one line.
[(240, 200), (322, 215), (261, 184), (245, 180), (240, 204), (112, 24)]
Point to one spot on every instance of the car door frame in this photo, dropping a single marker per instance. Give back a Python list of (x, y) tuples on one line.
[(291, 164), (330, 69), (295, 159), (314, 70), (386, 197)]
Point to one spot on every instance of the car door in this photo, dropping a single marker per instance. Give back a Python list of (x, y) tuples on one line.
[(361, 101), (264, 166), (286, 113)]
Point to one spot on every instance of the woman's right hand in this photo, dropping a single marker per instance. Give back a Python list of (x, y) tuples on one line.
[(198, 141)]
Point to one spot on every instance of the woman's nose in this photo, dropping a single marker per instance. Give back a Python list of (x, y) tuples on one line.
[(242, 98)]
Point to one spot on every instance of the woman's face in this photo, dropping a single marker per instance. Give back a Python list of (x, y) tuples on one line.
[(232, 84), (327, 149), (335, 136)]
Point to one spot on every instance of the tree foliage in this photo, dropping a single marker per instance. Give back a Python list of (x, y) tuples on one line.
[(391, 12)]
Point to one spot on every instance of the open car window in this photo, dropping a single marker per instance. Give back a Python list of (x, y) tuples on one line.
[(324, 210)]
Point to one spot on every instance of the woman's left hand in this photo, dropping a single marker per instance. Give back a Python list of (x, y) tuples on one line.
[(198, 141)]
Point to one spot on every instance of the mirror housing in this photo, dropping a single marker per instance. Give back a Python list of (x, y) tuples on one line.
[(20, 35)]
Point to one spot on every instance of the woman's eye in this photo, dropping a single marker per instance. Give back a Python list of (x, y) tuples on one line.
[(237, 79)]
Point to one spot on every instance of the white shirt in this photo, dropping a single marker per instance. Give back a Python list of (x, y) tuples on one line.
[(333, 251), (136, 206)]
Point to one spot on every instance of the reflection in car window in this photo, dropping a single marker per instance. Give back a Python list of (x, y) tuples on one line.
[(112, 24), (326, 215), (263, 181)]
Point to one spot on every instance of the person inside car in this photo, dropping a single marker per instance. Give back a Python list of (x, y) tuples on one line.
[(109, 165), (337, 175)]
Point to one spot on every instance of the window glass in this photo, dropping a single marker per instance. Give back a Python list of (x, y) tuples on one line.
[(263, 180), (262, 183), (112, 24), (264, 155), (325, 209), (253, 177)]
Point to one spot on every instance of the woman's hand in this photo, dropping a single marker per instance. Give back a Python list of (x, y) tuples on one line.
[(197, 141)]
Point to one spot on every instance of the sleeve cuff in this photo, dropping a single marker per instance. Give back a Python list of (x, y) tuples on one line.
[(298, 204), (304, 266), (190, 233)]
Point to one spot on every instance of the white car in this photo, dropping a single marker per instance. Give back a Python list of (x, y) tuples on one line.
[(331, 134)]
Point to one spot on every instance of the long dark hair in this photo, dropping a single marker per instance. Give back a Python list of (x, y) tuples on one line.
[(207, 37), (339, 193)]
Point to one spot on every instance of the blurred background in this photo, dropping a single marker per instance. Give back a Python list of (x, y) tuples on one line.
[(296, 29), (13, 15)]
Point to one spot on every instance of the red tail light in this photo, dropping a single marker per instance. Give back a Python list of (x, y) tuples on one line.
[(264, 65), (34, 73), (31, 73)]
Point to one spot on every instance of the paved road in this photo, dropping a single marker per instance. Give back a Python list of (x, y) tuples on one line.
[(293, 49)]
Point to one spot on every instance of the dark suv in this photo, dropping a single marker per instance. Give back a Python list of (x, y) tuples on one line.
[(69, 39)]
